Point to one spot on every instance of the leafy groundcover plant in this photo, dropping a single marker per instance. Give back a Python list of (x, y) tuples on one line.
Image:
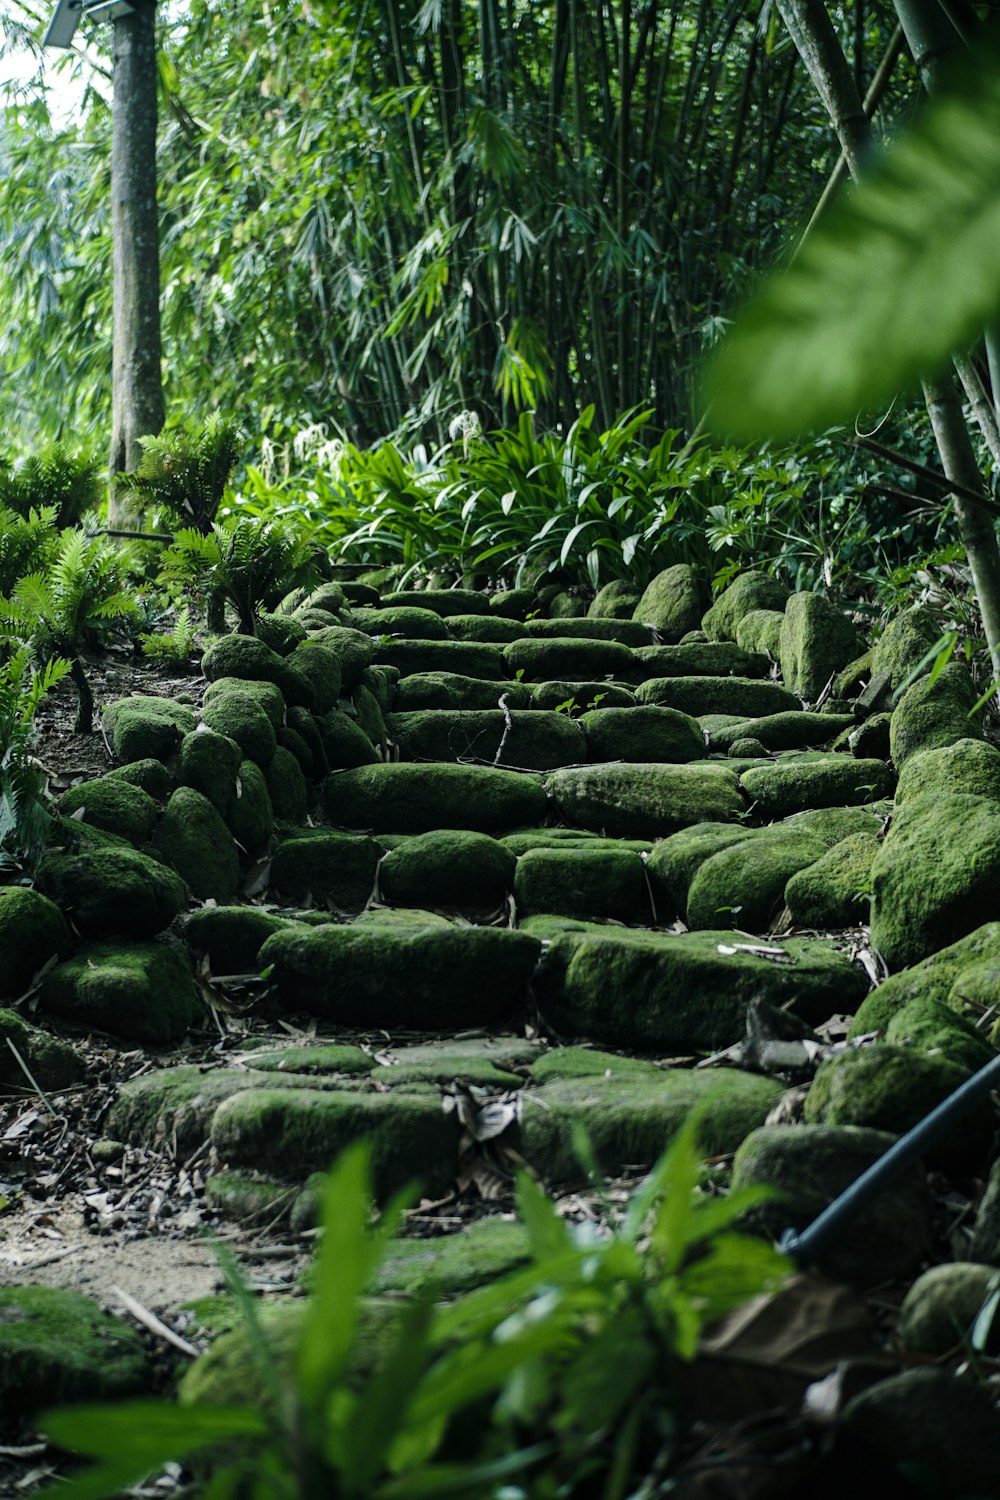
[(563, 1374), (24, 817)]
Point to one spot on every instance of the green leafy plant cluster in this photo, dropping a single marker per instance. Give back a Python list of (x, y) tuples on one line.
[(553, 1380), (24, 815), (171, 647), (245, 561), (64, 482), (186, 472)]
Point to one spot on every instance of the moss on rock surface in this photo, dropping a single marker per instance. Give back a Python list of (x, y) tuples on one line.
[(744, 885), (932, 715), (673, 602), (674, 862), (700, 659), (115, 891), (904, 643), (786, 731), (425, 690), (407, 798), (286, 787), (32, 931), (806, 1168), (194, 841), (644, 801), (532, 739), (626, 632), (462, 658), (147, 728), (667, 993), (110, 803), (642, 734), (968, 765), (630, 1119), (208, 762), (345, 743), (231, 936), (615, 601), (567, 657), (580, 696), (150, 775), (779, 789), (744, 697), (452, 868), (453, 1263), (443, 602), (939, 1310), (590, 1062), (354, 650), (320, 1058), (760, 630), (58, 1347), (175, 1105), (280, 632), (934, 978), (935, 877), (141, 991), (936, 1028), (335, 868), (265, 694), (239, 717), (320, 666), (435, 977), (833, 891), (494, 629), (584, 882), (748, 591), (245, 656), (405, 620), (53, 1064), (250, 816), (817, 641), (294, 1132)]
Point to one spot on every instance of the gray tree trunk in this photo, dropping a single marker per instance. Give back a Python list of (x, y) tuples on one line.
[(136, 390)]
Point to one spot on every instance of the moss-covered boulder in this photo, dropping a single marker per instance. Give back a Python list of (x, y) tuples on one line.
[(760, 630), (615, 601), (461, 658), (909, 637), (231, 936), (673, 603), (781, 788), (303, 725), (933, 978), (577, 698), (150, 775), (143, 992), (239, 717), (354, 650), (321, 669), (743, 886), (630, 1119), (453, 1263), (893, 1088), (871, 740), (249, 815), (52, 1063), (513, 604), (595, 882), (531, 739), (968, 765), (452, 868), (266, 695), (816, 642), (193, 840), (408, 798), (644, 801), (286, 787), (404, 620), (644, 733), (667, 993), (452, 690), (935, 877), (939, 1310), (939, 1030), (442, 601), (32, 931), (744, 697), (435, 977), (748, 591), (834, 890), (175, 1105), (932, 715), (700, 659), (110, 803), (626, 632), (280, 632), (337, 869), (567, 657), (317, 1059), (57, 1347), (115, 891), (495, 629), (808, 1167), (146, 728), (787, 731), (246, 656), (344, 742), (674, 862), (590, 1062), (209, 762)]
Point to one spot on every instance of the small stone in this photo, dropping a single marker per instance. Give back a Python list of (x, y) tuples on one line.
[(265, 694), (114, 805), (335, 868), (208, 762), (760, 630), (942, 1305)]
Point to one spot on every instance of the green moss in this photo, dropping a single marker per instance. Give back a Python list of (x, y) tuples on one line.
[(817, 641), (700, 659), (742, 696), (146, 728), (495, 629), (294, 1132), (453, 1263), (409, 622), (445, 1070), (581, 696), (442, 601), (381, 683), (567, 657), (644, 801), (584, 882), (968, 765), (904, 643), (420, 798), (642, 734), (477, 659), (249, 1199), (935, 877), (329, 596), (53, 1064), (320, 1057), (531, 739), (463, 871), (194, 841), (250, 816), (513, 604), (453, 976), (560, 604), (175, 1105), (353, 649), (672, 603), (370, 718), (615, 601), (787, 731), (833, 891), (452, 690), (568, 838), (321, 668), (744, 886), (141, 991), (151, 776), (286, 786), (335, 868), (589, 1062), (231, 935), (345, 743), (57, 1347), (939, 1310), (626, 632), (240, 718), (832, 824), (674, 862), (303, 724), (780, 789), (280, 632), (113, 891), (670, 993), (208, 762), (872, 739), (748, 591), (114, 805), (266, 695), (246, 656), (932, 715), (933, 978), (760, 630), (32, 931), (937, 1029), (806, 1168), (630, 1119)]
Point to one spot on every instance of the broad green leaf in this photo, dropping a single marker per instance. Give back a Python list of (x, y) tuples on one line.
[(905, 271), (548, 1233)]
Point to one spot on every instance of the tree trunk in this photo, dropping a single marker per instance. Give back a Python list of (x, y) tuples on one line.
[(84, 723), (136, 391)]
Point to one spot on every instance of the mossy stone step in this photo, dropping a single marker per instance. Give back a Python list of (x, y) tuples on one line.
[(494, 629), (702, 659), (437, 690), (52, 1063), (834, 890), (697, 695), (412, 798), (463, 871), (644, 733), (600, 881), (779, 789), (937, 977), (643, 800), (113, 891), (405, 620), (743, 886), (442, 601), (144, 992), (464, 658), (531, 739), (337, 869), (568, 657), (57, 1347), (579, 697), (32, 931), (786, 731), (674, 861), (110, 803), (142, 728), (588, 628)]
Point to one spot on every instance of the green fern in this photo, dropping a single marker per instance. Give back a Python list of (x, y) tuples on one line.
[(187, 472), (248, 562), (25, 543), (68, 483), (51, 613), (24, 817), (174, 647)]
